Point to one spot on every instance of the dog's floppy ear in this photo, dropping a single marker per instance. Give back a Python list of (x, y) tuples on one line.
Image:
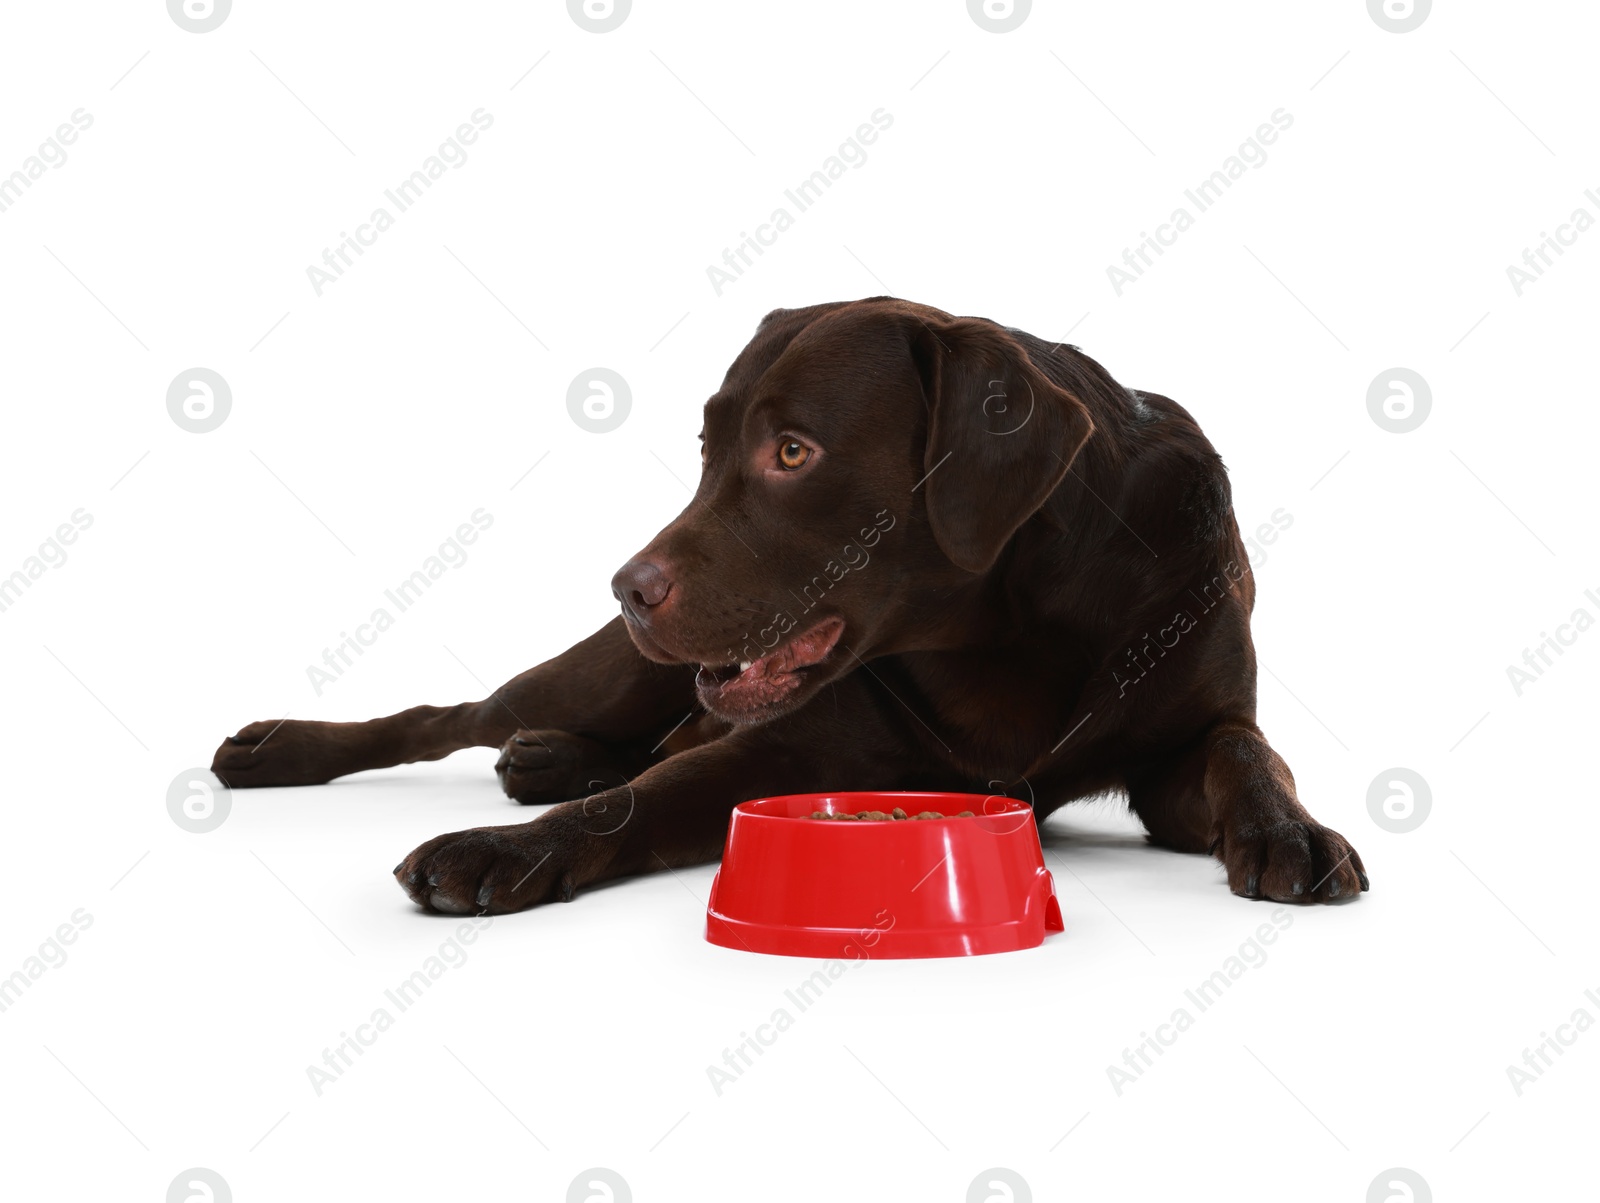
[(1001, 436)]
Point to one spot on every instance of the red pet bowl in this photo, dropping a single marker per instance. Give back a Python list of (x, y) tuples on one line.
[(858, 889)]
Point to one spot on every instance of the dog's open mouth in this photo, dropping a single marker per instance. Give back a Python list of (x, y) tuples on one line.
[(745, 689)]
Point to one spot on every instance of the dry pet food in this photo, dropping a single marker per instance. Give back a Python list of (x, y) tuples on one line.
[(879, 816)]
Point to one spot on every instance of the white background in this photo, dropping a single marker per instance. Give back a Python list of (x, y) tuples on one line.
[(369, 422)]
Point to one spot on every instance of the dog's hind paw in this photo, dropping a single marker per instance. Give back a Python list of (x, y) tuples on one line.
[(536, 767), (1292, 861)]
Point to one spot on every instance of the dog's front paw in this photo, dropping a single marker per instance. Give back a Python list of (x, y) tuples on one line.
[(1292, 861), (287, 752), (496, 870)]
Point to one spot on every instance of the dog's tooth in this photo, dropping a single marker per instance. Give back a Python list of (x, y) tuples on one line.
[(744, 665)]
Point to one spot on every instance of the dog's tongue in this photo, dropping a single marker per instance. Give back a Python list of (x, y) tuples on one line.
[(803, 650), (772, 677)]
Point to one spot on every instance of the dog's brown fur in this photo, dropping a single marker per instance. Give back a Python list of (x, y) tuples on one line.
[(1041, 586)]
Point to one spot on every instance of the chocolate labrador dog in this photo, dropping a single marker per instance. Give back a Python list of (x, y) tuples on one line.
[(926, 552)]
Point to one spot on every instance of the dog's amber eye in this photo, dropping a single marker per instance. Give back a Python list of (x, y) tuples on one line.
[(792, 454)]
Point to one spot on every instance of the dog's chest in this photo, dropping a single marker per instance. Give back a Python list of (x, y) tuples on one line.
[(992, 713)]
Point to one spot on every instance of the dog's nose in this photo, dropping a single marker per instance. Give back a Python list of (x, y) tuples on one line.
[(641, 586)]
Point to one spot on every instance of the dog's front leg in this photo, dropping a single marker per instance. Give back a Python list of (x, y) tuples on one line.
[(675, 813), (601, 689)]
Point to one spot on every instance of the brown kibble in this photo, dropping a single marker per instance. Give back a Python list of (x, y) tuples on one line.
[(883, 816)]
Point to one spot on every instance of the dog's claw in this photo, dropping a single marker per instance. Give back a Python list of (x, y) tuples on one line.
[(484, 895), (1365, 884), (1294, 861)]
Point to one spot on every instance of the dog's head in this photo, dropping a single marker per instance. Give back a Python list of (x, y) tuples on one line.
[(863, 462)]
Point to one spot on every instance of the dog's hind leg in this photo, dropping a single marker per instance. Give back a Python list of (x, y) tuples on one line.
[(1230, 794), (536, 767)]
